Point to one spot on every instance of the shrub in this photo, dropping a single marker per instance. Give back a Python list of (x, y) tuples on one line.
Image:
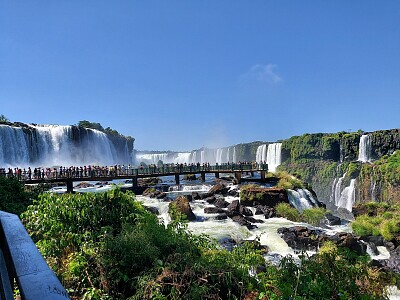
[(286, 211), (313, 216)]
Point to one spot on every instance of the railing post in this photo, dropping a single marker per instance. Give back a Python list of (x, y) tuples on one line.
[(177, 178)]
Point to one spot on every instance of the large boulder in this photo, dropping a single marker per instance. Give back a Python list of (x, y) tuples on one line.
[(221, 203), (253, 196), (233, 206), (219, 188), (304, 238), (213, 210), (181, 205)]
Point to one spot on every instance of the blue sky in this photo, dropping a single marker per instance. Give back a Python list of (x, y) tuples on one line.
[(179, 75)]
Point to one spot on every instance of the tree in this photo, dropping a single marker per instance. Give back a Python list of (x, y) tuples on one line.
[(3, 118)]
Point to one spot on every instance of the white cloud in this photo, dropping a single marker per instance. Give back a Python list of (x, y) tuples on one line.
[(262, 73)]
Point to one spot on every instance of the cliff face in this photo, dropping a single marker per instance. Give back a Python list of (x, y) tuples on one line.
[(329, 162)]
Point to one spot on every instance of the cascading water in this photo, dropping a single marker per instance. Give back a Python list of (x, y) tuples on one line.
[(345, 197), (51, 145), (274, 156), (261, 154), (301, 199), (364, 152)]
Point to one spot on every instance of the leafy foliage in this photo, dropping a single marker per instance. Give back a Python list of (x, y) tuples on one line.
[(13, 198), (285, 210), (99, 127), (312, 216), (3, 119)]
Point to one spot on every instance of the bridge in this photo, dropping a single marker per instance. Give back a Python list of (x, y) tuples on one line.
[(102, 174)]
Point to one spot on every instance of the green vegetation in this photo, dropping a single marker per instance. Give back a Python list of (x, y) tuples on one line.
[(311, 216), (285, 210), (287, 181), (379, 219), (13, 198), (107, 246), (99, 127), (4, 119)]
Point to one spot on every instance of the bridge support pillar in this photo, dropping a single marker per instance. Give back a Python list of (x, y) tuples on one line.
[(177, 179), (70, 186), (262, 173), (252, 174), (238, 176), (134, 183), (216, 175), (203, 176)]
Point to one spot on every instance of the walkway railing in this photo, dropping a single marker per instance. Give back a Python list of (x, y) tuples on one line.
[(115, 171), (21, 262)]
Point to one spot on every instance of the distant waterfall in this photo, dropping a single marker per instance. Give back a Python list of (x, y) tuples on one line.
[(364, 152), (261, 154), (345, 197), (204, 155), (53, 145), (274, 156), (302, 199)]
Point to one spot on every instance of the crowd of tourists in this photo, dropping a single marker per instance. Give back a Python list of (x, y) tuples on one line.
[(119, 170)]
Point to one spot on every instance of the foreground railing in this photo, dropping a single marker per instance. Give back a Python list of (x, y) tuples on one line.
[(21, 262)]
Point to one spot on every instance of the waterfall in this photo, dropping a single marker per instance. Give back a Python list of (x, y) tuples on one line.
[(274, 156), (301, 199), (261, 154), (14, 147), (54, 145), (347, 197), (234, 155), (364, 152)]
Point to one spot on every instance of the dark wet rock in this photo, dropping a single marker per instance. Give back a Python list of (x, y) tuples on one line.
[(233, 206), (196, 196), (218, 189), (213, 210), (221, 203), (304, 238), (228, 243), (243, 222), (83, 185), (254, 196), (332, 220), (189, 197), (210, 200), (167, 199), (189, 177), (268, 212), (162, 195), (253, 220), (233, 193), (181, 204), (153, 210), (390, 246), (151, 192), (245, 211), (221, 217), (376, 240), (205, 196), (389, 265)]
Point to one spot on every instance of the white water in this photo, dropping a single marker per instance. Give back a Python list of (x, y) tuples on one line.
[(274, 156), (301, 199), (50, 145), (261, 154), (364, 152), (347, 197), (204, 155)]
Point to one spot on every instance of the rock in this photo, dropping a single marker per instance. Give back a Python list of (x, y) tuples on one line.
[(221, 217), (389, 265), (162, 195), (210, 200), (227, 243), (233, 206), (253, 220), (189, 177), (348, 240), (332, 220), (83, 185), (153, 210), (245, 211), (376, 240), (253, 196), (243, 222), (196, 196), (221, 203), (213, 210), (268, 212), (218, 189), (181, 204), (233, 193)]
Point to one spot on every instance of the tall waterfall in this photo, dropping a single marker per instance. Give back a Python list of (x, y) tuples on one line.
[(364, 152), (343, 197), (261, 154), (274, 156), (53, 145)]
